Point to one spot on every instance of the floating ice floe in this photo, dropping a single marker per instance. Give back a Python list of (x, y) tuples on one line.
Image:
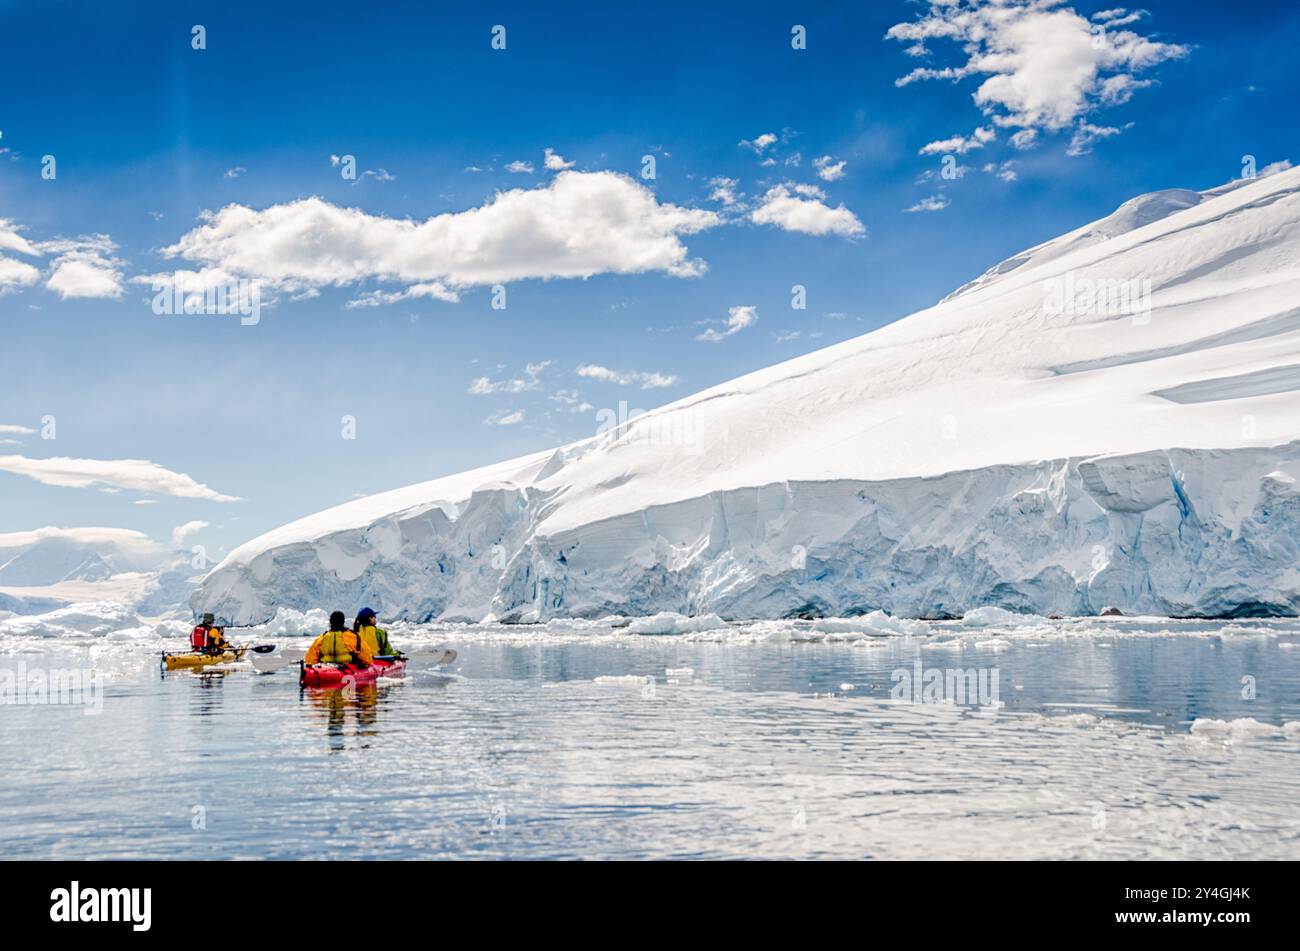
[(670, 623), (1243, 728)]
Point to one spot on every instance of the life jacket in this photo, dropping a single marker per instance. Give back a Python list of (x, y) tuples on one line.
[(374, 638), (206, 638), (336, 647)]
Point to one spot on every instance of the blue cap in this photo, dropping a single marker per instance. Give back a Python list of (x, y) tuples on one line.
[(365, 613)]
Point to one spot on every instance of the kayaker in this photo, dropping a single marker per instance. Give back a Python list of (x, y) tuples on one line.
[(376, 638), (339, 645), (207, 637)]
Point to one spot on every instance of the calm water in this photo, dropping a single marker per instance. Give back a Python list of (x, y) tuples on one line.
[(749, 742)]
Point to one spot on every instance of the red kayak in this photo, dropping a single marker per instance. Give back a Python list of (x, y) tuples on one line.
[(344, 675)]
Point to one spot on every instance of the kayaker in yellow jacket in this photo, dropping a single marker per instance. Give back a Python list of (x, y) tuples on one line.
[(375, 638), (339, 645)]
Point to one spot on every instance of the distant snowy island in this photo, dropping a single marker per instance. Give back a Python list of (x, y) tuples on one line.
[(1110, 419)]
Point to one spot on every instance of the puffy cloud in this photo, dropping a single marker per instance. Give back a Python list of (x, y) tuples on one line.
[(807, 215), (234, 173), (13, 272), (136, 474), (930, 203), (520, 167), (579, 225), (724, 190), (1045, 66), (555, 162), (84, 268), (829, 168), (647, 381), (737, 320), (182, 532), (960, 144), (761, 143)]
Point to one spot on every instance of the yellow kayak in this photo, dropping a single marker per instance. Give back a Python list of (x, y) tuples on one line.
[(185, 661)]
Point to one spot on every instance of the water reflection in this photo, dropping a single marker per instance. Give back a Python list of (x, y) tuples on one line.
[(331, 707)]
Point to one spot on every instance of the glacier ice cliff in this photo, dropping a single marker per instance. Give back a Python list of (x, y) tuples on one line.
[(1020, 445)]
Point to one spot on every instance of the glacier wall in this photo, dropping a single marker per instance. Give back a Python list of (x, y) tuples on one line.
[(1177, 532)]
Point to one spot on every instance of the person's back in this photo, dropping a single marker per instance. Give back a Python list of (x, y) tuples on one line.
[(339, 645), (375, 638), (207, 637)]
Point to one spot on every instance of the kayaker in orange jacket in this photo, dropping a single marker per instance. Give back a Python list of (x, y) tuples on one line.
[(339, 645)]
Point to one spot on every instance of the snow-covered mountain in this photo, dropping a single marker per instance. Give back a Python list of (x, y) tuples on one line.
[(50, 568), (49, 556), (1110, 418)]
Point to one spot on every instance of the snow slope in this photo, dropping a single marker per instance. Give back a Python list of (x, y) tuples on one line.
[(1026, 444)]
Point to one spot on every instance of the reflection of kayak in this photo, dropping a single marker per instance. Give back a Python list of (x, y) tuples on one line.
[(185, 661), (342, 675)]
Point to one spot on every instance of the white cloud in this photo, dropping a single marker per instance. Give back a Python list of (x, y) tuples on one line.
[(572, 400), (829, 169), (84, 268), (434, 290), (130, 542), (1025, 139), (738, 319), (1118, 16), (1086, 134), (724, 190), (760, 143), (1006, 171), (137, 474), (555, 162), (960, 144), (15, 429), (182, 532), (579, 225), (506, 418), (485, 386), (805, 215), (930, 203), (234, 173), (15, 273), (519, 167), (647, 381), (1045, 67)]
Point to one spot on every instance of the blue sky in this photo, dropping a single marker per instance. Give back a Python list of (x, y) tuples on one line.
[(147, 133)]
